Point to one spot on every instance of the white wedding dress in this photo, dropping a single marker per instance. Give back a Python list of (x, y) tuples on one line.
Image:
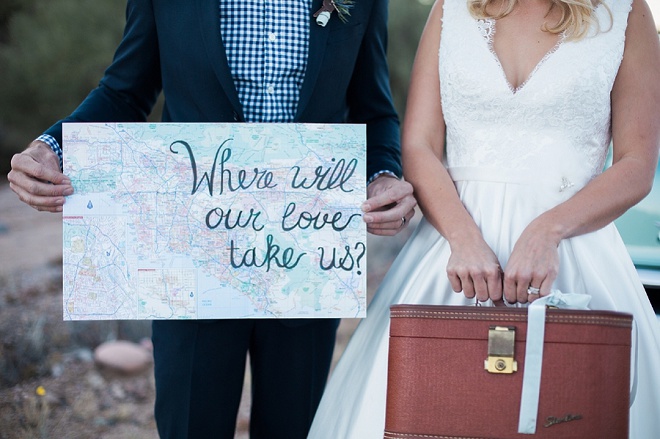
[(513, 154)]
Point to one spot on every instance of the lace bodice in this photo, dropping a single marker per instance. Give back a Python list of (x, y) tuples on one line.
[(555, 127)]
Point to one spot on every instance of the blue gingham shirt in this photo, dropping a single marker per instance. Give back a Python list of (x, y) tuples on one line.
[(267, 43)]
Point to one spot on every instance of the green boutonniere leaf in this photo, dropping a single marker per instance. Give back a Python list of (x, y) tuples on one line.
[(343, 8)]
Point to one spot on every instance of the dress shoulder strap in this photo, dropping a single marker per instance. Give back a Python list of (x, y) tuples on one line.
[(614, 16)]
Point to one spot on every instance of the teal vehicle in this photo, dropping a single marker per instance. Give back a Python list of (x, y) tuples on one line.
[(640, 230)]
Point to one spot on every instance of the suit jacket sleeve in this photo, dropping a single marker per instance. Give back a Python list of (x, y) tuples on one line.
[(369, 96)]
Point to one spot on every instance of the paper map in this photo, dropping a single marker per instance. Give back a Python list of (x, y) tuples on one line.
[(201, 221)]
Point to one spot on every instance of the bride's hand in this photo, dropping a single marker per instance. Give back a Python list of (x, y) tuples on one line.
[(532, 266), (474, 269)]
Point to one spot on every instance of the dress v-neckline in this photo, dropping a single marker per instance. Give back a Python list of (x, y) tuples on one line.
[(487, 29)]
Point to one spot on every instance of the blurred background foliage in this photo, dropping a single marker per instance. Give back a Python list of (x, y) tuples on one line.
[(53, 52), (406, 22)]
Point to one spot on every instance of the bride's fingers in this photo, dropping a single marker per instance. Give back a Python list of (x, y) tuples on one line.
[(543, 290), (522, 291), (468, 286), (546, 286), (461, 281), (455, 282), (480, 288), (495, 291), (510, 289), (494, 283), (529, 291)]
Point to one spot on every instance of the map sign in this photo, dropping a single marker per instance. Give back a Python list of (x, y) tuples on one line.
[(206, 221)]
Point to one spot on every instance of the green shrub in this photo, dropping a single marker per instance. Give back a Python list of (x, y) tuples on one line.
[(54, 52)]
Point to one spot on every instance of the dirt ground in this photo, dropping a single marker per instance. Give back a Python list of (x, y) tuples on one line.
[(50, 386)]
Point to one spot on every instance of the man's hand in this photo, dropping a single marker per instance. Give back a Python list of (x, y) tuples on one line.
[(389, 207), (36, 178)]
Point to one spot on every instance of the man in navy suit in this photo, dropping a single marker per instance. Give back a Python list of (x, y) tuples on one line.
[(243, 61)]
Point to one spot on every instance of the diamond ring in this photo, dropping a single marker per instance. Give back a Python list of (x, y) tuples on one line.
[(403, 221), (533, 290)]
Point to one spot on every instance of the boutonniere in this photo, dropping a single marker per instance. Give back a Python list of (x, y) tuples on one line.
[(343, 8)]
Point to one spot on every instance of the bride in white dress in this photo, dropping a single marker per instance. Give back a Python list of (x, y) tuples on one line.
[(515, 202)]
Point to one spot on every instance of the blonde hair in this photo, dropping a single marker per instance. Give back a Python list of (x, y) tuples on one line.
[(577, 16)]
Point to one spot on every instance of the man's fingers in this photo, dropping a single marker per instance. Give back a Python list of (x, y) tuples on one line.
[(41, 203), (389, 207), (37, 180), (403, 209), (391, 219), (38, 163), (390, 228), (386, 192)]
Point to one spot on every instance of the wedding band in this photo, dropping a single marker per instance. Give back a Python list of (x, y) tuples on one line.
[(403, 221), (533, 290)]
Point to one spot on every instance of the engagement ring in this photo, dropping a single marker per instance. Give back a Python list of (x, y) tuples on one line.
[(532, 290), (403, 221)]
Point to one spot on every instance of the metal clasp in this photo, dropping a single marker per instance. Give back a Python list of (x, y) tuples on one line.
[(501, 343)]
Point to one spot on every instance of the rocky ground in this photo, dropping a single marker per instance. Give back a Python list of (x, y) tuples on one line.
[(50, 385)]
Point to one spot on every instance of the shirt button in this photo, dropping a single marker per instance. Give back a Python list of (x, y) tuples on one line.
[(270, 89), (272, 37)]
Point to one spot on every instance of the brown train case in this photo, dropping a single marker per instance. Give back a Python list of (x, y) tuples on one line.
[(451, 373)]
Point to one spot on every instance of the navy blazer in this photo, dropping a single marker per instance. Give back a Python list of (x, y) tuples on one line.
[(176, 47)]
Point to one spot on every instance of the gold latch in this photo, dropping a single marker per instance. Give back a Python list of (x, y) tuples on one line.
[(501, 343)]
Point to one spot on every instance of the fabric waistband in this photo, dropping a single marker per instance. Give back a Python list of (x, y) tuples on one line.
[(497, 175)]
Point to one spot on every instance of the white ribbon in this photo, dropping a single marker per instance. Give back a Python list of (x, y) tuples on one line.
[(529, 401)]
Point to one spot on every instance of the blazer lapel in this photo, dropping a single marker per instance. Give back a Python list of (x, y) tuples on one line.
[(318, 36), (209, 25)]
